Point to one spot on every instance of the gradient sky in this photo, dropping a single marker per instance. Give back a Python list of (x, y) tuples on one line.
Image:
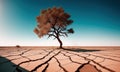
[(96, 22)]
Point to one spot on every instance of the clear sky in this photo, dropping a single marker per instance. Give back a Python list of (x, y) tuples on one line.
[(96, 22)]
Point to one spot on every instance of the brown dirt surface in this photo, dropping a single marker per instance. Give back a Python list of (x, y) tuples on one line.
[(51, 59)]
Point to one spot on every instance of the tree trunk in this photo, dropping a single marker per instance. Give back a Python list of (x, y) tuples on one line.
[(60, 42)]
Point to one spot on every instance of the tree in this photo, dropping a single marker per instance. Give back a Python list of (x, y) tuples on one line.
[(53, 22)]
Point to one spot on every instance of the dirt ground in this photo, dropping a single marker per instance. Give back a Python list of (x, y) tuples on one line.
[(51, 59)]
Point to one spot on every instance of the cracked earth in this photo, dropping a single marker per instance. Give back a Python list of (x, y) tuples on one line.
[(29, 59)]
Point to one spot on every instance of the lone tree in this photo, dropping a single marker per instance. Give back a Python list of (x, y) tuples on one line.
[(53, 22)]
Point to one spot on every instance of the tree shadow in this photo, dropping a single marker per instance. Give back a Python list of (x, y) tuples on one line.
[(7, 66), (81, 50)]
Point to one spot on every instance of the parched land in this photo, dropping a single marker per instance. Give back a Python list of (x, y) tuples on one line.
[(51, 59)]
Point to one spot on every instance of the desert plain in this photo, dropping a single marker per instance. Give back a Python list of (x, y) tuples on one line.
[(53, 59)]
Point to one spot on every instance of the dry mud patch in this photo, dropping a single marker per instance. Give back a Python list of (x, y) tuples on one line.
[(30, 59)]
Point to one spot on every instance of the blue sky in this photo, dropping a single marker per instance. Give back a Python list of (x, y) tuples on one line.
[(96, 22)]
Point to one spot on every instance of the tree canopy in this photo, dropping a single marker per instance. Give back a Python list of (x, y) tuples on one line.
[(53, 22)]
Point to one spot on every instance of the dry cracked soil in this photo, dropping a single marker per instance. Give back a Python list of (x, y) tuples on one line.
[(51, 59)]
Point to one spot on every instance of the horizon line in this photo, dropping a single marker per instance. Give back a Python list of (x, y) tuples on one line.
[(58, 46)]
